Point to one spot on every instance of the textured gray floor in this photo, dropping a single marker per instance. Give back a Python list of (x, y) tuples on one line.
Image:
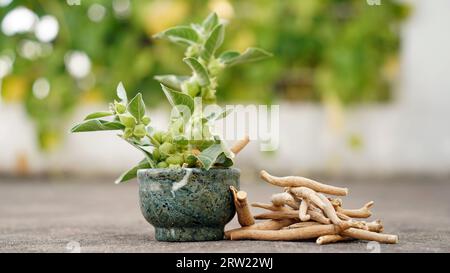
[(45, 216)]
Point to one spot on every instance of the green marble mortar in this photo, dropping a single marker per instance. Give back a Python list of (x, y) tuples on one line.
[(188, 204)]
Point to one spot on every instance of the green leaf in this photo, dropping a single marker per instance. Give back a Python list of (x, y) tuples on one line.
[(97, 125), (121, 93), (98, 115), (224, 161), (210, 22), (228, 56), (181, 34), (252, 54), (209, 156), (199, 70), (177, 98), (147, 154), (213, 42), (137, 107), (172, 81), (132, 173)]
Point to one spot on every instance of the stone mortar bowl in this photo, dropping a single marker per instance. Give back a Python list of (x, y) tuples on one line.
[(188, 204)]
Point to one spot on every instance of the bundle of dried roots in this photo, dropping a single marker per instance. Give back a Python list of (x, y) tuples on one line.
[(302, 211)]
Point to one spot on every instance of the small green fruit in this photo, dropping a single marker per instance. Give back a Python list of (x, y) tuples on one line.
[(127, 120), (158, 136), (139, 131), (162, 164), (119, 107), (180, 140), (167, 137), (190, 159), (175, 159), (166, 148), (156, 154), (127, 133), (146, 120)]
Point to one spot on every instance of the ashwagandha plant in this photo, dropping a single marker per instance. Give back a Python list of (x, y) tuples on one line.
[(188, 141)]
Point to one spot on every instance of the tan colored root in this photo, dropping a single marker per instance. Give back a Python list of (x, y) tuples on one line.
[(370, 236), (302, 212), (302, 225), (309, 194), (317, 215), (343, 216), (363, 212), (271, 207), (266, 225), (308, 232), (328, 239), (245, 217), (336, 202), (284, 198), (332, 215), (238, 146), (297, 181), (329, 211), (375, 226), (277, 215)]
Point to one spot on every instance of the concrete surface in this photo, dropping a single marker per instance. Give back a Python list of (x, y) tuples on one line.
[(56, 216)]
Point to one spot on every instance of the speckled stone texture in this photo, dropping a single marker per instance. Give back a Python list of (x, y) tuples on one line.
[(187, 204)]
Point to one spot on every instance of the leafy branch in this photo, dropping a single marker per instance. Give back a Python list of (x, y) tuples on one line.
[(188, 141)]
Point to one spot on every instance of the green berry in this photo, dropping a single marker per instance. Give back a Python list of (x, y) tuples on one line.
[(139, 131), (175, 159), (190, 159), (146, 120), (156, 154), (120, 107), (158, 136), (127, 133), (127, 120), (166, 148), (174, 166), (167, 137), (180, 140), (162, 165)]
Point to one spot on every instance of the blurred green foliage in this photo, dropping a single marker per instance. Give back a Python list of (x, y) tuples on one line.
[(345, 49)]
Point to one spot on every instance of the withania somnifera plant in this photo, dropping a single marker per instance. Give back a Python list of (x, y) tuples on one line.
[(188, 141)]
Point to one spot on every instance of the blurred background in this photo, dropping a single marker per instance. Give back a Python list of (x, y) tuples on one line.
[(363, 86)]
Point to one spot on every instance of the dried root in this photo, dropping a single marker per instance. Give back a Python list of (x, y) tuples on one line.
[(277, 215), (271, 207), (238, 146), (297, 181), (308, 232), (284, 198), (245, 217), (308, 194), (267, 225), (328, 239), (363, 212), (302, 212), (302, 224)]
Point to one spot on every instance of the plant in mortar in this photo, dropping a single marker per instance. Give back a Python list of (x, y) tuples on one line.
[(188, 151)]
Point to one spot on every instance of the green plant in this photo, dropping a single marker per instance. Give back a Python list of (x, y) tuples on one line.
[(188, 141)]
